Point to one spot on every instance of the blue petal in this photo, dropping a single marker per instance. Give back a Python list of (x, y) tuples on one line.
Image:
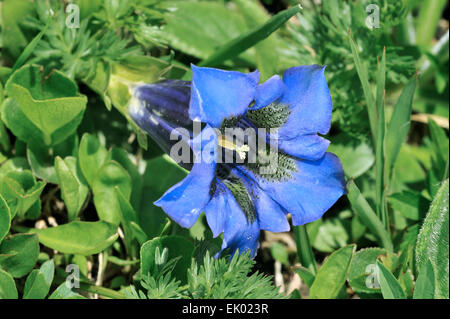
[(308, 146), (239, 234), (312, 190), (218, 94), (310, 107), (185, 201), (268, 92), (308, 96), (271, 216), (216, 211)]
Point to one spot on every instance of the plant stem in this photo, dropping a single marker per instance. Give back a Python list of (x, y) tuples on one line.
[(381, 181), (102, 291), (427, 22), (304, 249)]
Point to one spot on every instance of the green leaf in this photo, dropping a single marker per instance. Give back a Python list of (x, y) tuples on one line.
[(39, 281), (406, 280), (411, 205), (266, 55), (439, 143), (176, 246), (407, 168), (380, 180), (79, 238), (398, 126), (238, 45), (306, 275), (356, 156), (139, 234), (425, 283), (127, 217), (20, 190), (91, 156), (5, 218), (19, 124), (362, 208), (8, 288), (19, 253), (331, 235), (439, 167), (160, 174), (13, 38), (364, 78), (358, 229), (64, 292), (74, 189), (302, 235), (122, 157), (14, 164), (433, 238), (42, 163), (121, 262), (427, 22), (88, 7), (279, 253), (110, 176), (51, 103), (332, 275), (42, 158), (5, 142), (199, 28), (30, 47), (99, 81), (362, 276), (390, 287)]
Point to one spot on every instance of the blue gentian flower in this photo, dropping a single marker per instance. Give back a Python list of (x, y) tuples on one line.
[(237, 199)]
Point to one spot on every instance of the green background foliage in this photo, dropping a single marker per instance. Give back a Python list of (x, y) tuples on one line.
[(78, 178)]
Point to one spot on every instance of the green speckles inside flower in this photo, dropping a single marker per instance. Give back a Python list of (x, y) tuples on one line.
[(272, 116)]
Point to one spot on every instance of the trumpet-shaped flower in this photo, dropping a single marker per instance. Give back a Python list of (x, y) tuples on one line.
[(283, 168)]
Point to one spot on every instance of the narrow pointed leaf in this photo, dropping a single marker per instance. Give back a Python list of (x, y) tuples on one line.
[(425, 284), (242, 43), (390, 287), (367, 215), (398, 126), (433, 239)]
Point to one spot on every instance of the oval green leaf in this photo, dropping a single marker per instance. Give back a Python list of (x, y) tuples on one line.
[(78, 238), (332, 275), (19, 253), (8, 288)]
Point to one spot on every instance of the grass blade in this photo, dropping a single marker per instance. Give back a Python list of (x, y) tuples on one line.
[(398, 127), (246, 41), (379, 151), (30, 48), (363, 77), (266, 58), (367, 215), (304, 250)]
